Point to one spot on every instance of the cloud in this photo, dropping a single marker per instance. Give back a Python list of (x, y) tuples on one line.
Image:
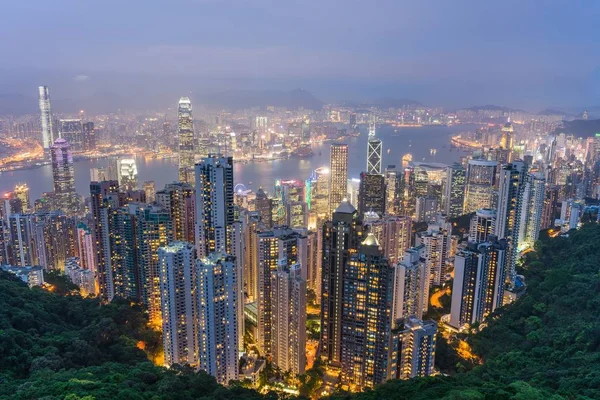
[(81, 78)]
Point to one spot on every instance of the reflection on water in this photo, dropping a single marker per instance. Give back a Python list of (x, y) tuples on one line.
[(416, 141)]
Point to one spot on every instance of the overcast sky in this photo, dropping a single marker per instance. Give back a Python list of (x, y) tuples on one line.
[(525, 53)]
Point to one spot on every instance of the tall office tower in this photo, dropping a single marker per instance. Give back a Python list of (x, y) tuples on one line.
[(392, 186), (289, 319), (366, 319), (21, 248), (410, 277), (217, 313), (22, 193), (506, 140), (98, 175), (511, 209), (394, 234), (128, 174), (454, 191), (62, 167), (185, 131), (64, 176), (353, 190), (409, 193), (71, 130), (89, 136), (483, 224), (150, 190), (338, 178), (480, 186), (214, 205), (179, 199), (436, 241), (478, 287), (85, 248), (426, 209), (341, 238), (264, 206), (319, 202), (313, 270), (374, 150), (55, 239), (46, 117), (296, 213), (273, 247), (550, 206), (177, 283), (412, 352), (103, 201), (371, 194), (534, 202)]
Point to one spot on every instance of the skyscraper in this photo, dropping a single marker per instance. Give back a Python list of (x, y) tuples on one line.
[(478, 287), (274, 247), (288, 319), (128, 173), (177, 275), (62, 167), (179, 199), (371, 194), (394, 234), (392, 186), (412, 352), (366, 318), (22, 193), (338, 178), (264, 206), (534, 201), (454, 191), (214, 205), (217, 314), (185, 130), (71, 130), (483, 224), (480, 187), (410, 276), (46, 117), (511, 211), (436, 242), (374, 147), (341, 238)]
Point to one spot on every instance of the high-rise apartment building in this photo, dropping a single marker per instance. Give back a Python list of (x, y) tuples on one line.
[(179, 199), (478, 287), (63, 175), (392, 187), (411, 286), (436, 241), (483, 224), (338, 177), (341, 239), (394, 234), (412, 350), (366, 320), (214, 205), (185, 132), (288, 319), (177, 283), (217, 313)]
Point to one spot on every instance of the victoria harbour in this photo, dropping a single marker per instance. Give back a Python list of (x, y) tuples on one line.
[(397, 142)]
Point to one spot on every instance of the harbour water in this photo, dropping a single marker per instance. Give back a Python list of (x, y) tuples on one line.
[(396, 143)]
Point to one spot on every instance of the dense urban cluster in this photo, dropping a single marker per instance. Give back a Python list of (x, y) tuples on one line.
[(325, 282)]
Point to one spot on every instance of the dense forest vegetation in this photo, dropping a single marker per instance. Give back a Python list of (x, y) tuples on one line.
[(546, 345)]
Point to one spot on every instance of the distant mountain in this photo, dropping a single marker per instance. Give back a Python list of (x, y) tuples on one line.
[(550, 111), (580, 127), (240, 99), (386, 102), (493, 108)]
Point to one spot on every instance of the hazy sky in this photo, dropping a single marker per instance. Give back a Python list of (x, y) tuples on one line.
[(525, 53)]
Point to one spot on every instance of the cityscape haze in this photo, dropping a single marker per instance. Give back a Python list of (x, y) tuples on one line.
[(299, 200)]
